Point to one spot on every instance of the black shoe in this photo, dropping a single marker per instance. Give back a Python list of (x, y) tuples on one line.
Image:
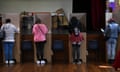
[(74, 61), (110, 61), (80, 60), (43, 61)]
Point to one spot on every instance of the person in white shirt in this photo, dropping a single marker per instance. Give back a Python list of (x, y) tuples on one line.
[(8, 41)]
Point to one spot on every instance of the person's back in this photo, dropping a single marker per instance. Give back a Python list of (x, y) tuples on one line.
[(111, 42), (40, 31), (10, 30), (9, 41), (114, 30)]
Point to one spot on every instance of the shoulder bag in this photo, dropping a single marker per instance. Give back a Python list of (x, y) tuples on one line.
[(2, 34)]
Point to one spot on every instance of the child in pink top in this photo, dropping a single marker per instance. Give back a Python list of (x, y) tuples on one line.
[(40, 31), (76, 39)]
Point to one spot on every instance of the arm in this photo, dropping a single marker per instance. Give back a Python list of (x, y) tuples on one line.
[(106, 30), (44, 29), (103, 31), (33, 29), (16, 29)]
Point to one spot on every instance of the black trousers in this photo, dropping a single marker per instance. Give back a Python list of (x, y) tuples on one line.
[(40, 49)]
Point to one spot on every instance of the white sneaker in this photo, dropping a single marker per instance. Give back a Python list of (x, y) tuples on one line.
[(79, 62), (6, 61), (42, 62), (38, 62), (11, 62)]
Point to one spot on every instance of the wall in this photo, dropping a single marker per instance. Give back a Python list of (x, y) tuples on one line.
[(107, 17), (10, 6)]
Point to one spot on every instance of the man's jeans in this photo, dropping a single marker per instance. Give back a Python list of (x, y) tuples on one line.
[(8, 50), (111, 48)]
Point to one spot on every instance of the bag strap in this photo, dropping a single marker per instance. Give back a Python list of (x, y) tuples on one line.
[(40, 29)]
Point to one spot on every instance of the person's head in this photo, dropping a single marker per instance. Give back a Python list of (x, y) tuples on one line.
[(7, 21), (38, 21), (73, 20), (111, 20)]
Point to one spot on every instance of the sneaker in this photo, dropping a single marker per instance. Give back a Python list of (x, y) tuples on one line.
[(6, 62), (38, 62), (11, 62), (42, 62), (79, 62)]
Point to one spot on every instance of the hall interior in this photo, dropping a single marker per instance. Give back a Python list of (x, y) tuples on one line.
[(93, 20)]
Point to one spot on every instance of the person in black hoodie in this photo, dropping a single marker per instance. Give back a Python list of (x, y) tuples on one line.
[(76, 39)]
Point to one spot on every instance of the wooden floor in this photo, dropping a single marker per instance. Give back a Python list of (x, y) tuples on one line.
[(32, 67)]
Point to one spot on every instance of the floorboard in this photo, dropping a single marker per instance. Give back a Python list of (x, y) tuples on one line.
[(32, 67)]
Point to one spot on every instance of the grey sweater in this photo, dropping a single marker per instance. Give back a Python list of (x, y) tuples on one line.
[(10, 31)]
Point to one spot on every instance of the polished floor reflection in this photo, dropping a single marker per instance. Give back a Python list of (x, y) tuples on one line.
[(32, 67)]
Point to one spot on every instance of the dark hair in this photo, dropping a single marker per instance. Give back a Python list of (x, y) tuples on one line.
[(38, 21), (73, 20), (7, 21), (111, 20)]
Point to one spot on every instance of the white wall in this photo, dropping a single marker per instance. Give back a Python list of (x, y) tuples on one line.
[(17, 6), (107, 17)]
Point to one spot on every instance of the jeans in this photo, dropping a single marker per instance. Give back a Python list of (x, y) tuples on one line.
[(75, 51), (111, 48), (8, 50)]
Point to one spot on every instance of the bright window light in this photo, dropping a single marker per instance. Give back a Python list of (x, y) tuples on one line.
[(111, 0)]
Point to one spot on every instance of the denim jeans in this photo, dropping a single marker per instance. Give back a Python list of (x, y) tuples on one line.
[(75, 51), (8, 50), (111, 48)]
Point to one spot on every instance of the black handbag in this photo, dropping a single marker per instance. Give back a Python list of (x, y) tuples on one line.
[(2, 34)]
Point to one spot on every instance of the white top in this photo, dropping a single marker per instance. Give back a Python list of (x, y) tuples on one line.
[(10, 31)]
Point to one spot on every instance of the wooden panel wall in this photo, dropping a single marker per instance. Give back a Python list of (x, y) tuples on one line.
[(98, 55)]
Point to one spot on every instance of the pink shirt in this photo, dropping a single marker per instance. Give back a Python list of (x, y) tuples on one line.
[(39, 31)]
